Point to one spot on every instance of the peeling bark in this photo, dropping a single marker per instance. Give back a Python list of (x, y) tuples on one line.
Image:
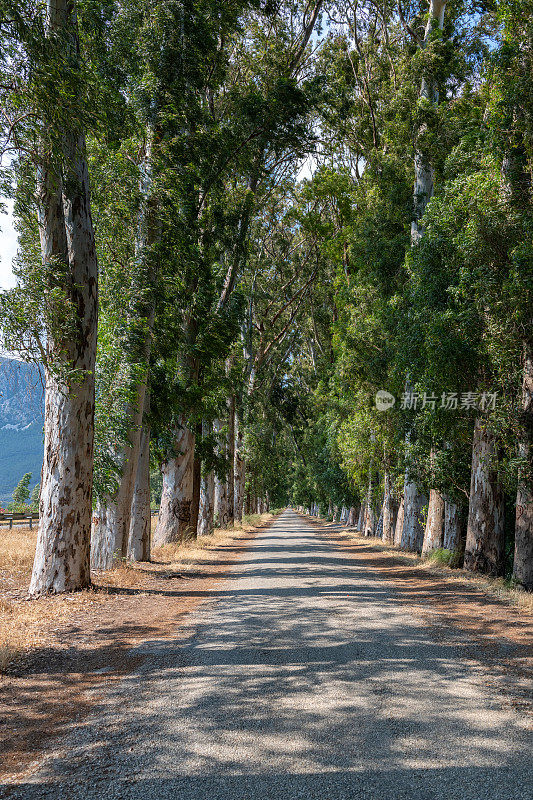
[(485, 530), (413, 518), (434, 531), (388, 510), (207, 505), (141, 513), (453, 526), (68, 251), (398, 530), (174, 521)]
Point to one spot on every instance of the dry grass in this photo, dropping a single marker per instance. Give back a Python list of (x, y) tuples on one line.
[(495, 587), (186, 554), (26, 625), (17, 548)]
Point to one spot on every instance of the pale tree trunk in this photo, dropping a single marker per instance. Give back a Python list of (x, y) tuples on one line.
[(335, 513), (523, 551), (207, 505), (414, 503), (230, 452), (485, 529), (330, 509), (221, 503), (196, 482), (68, 247), (112, 519), (174, 521), (398, 530), (239, 469), (423, 185), (412, 539), (361, 519), (388, 509), (369, 524), (434, 531), (141, 513), (352, 517), (453, 526)]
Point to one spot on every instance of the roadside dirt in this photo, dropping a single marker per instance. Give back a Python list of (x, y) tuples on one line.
[(494, 635), (53, 685)]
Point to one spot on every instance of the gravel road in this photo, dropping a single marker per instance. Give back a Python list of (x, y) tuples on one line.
[(305, 676)]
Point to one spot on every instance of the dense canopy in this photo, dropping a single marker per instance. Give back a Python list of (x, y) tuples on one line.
[(274, 253)]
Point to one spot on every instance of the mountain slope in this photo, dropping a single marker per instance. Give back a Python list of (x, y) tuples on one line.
[(21, 424)]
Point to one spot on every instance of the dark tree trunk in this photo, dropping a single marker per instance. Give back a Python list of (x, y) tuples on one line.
[(485, 530)]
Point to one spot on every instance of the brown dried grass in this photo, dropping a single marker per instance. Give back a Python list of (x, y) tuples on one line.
[(494, 587), (17, 549)]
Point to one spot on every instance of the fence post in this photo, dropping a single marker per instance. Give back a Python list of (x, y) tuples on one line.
[(10, 522), (31, 521)]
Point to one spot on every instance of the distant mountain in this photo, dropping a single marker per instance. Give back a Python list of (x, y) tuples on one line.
[(21, 424)]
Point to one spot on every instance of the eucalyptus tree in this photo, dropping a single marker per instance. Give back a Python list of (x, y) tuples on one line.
[(258, 119), (49, 104)]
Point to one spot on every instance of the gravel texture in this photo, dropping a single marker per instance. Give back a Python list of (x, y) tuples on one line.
[(304, 677)]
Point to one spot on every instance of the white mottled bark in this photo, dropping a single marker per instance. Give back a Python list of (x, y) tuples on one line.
[(434, 531), (141, 514), (452, 526), (352, 517), (413, 518), (388, 511), (423, 184), (174, 521), (398, 530), (485, 529), (207, 505), (361, 518), (68, 251)]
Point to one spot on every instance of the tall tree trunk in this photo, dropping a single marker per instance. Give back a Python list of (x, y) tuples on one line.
[(412, 539), (174, 521), (112, 520), (361, 519), (434, 531), (523, 551), (68, 252), (352, 517), (370, 518), (207, 505), (453, 526), (196, 481), (398, 530), (485, 529), (239, 468), (388, 510), (112, 517), (141, 513), (230, 452), (413, 518)]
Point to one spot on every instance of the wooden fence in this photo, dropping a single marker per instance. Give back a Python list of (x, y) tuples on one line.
[(9, 519)]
